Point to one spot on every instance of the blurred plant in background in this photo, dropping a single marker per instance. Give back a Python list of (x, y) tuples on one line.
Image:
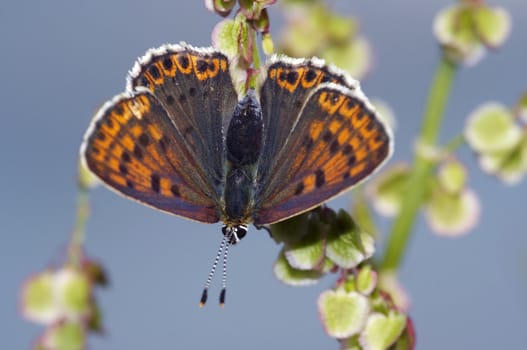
[(367, 308), (62, 298)]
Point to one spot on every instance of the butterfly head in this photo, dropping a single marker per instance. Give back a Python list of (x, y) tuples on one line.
[(234, 233)]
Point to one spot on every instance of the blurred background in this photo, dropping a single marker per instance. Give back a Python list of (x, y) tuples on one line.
[(61, 59)]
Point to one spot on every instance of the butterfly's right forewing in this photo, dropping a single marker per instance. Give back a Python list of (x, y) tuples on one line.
[(195, 88)]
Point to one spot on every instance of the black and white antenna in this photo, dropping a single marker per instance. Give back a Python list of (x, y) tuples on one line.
[(204, 295), (231, 236)]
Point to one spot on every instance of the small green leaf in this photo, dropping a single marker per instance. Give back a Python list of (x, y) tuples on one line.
[(510, 166), (225, 36), (454, 29), (347, 245), (38, 299), (452, 176), (291, 230), (452, 215), (491, 129), (382, 331), (389, 283), (308, 252), (387, 190), (73, 292), (294, 277), (65, 336), (492, 24), (267, 44), (351, 343), (366, 280), (343, 314)]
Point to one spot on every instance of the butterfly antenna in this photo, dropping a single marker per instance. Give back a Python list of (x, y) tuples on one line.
[(224, 277), (205, 293)]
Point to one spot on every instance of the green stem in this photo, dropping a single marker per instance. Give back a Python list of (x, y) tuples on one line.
[(454, 144), (256, 53), (255, 60), (422, 168), (78, 235)]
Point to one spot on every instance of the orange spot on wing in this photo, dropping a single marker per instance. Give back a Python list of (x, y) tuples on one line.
[(165, 187), (118, 179), (171, 72), (315, 81), (343, 136), (366, 134), (334, 167), (136, 130), (348, 112), (139, 106), (315, 129), (223, 65), (355, 170), (272, 74), (105, 129), (127, 142), (155, 132), (102, 144), (309, 183), (334, 126), (214, 67), (355, 142), (121, 118), (96, 156), (375, 144), (291, 86), (188, 68), (360, 154), (113, 164), (329, 102), (200, 75)]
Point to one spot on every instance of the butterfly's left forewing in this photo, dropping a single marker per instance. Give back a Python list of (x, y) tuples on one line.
[(337, 142), (134, 148)]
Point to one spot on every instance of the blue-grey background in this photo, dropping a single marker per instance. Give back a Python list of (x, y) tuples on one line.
[(60, 59)]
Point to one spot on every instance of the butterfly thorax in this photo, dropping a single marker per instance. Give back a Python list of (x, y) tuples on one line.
[(243, 145)]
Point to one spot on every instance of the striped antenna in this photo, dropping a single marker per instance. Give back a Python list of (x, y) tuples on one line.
[(224, 277), (204, 295)]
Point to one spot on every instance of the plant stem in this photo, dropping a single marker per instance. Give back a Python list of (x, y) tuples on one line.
[(77, 237), (454, 144), (255, 61), (423, 166)]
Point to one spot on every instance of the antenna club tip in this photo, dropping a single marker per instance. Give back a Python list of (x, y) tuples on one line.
[(222, 296), (203, 299)]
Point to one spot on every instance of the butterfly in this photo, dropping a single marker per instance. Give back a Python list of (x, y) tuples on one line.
[(181, 140)]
